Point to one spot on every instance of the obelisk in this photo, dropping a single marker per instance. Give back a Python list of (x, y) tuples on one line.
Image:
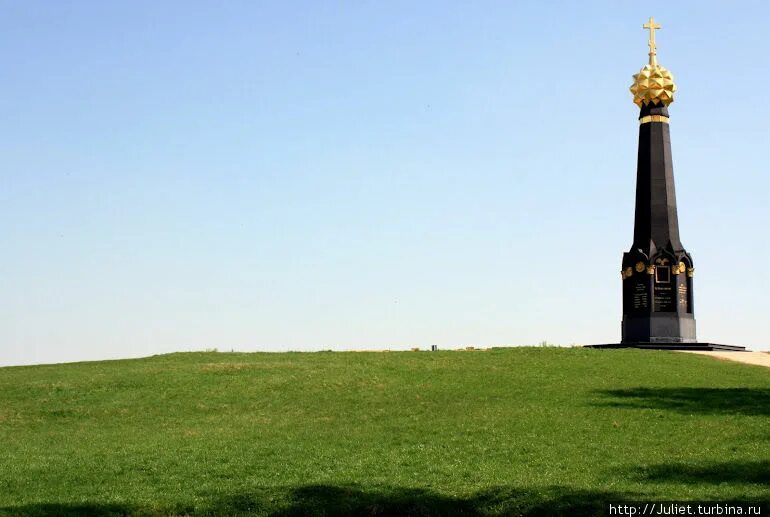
[(657, 270)]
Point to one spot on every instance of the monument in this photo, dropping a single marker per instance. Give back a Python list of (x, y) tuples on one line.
[(657, 272)]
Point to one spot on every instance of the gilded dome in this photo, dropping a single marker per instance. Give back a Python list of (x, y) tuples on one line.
[(653, 84)]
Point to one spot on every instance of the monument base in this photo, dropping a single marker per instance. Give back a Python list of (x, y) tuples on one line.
[(675, 346), (658, 327)]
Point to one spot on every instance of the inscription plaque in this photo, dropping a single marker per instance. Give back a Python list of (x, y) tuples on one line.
[(683, 296), (664, 298), (640, 297)]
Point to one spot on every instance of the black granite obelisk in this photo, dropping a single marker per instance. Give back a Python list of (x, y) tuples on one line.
[(658, 305), (657, 270)]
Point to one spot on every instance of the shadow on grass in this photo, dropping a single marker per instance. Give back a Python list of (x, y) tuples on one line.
[(326, 500), (739, 401), (753, 472), (69, 510), (331, 500)]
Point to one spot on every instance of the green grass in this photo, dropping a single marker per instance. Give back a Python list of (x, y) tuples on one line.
[(498, 432)]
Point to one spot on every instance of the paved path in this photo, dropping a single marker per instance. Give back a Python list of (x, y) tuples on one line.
[(758, 358)]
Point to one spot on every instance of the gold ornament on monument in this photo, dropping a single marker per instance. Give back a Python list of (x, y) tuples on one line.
[(640, 267), (653, 84)]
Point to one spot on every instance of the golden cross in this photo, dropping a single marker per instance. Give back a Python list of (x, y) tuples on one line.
[(652, 26)]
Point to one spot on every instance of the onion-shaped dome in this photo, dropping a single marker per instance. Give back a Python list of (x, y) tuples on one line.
[(653, 84)]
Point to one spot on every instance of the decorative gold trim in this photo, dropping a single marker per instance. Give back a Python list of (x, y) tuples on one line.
[(653, 84), (690, 271), (652, 27), (651, 270), (653, 118), (640, 267)]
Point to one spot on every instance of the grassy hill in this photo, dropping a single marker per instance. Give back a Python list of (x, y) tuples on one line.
[(498, 432)]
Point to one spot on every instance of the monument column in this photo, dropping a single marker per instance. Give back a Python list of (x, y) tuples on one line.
[(657, 271)]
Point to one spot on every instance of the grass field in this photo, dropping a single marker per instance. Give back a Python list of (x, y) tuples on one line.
[(497, 432)]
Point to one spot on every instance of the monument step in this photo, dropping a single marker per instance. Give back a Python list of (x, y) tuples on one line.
[(675, 346)]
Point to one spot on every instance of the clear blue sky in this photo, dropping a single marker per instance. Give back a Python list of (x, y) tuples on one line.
[(334, 175)]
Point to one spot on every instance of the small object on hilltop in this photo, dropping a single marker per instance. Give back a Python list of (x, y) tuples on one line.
[(434, 348), (415, 349)]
